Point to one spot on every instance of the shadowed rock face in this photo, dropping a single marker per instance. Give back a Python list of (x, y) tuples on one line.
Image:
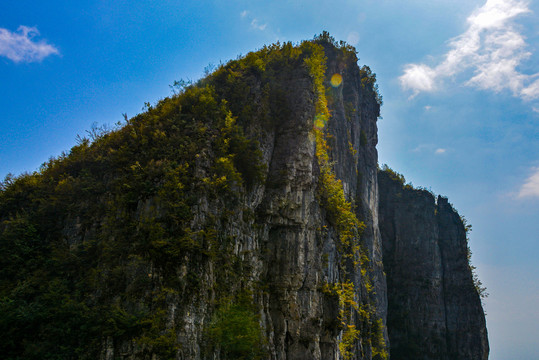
[(270, 245), (301, 320), (289, 247), (434, 311)]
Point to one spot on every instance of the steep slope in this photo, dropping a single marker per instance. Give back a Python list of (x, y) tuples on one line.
[(434, 309), (179, 236), (237, 219)]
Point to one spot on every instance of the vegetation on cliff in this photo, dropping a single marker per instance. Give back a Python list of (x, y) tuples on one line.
[(348, 226), (100, 241), (93, 241)]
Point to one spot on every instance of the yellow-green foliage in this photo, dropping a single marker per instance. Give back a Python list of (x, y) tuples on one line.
[(349, 339), (342, 217), (158, 338), (93, 243), (338, 208), (91, 240), (331, 190), (393, 175), (346, 293), (368, 82), (378, 343)]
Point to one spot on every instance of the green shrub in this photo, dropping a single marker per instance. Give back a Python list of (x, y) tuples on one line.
[(235, 331)]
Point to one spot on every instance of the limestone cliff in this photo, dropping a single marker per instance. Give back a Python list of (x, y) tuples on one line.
[(434, 310), (238, 219)]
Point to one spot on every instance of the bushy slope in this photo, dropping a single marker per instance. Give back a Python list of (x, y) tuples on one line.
[(99, 242)]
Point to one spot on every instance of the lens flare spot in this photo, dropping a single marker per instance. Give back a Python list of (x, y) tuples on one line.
[(336, 80)]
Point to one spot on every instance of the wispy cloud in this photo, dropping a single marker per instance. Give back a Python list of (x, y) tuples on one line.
[(256, 25), (429, 149), (418, 77), (440, 151), (530, 188), (492, 47), (532, 91), (21, 46)]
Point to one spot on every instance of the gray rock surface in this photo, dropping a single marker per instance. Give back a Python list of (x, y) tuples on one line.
[(286, 250), (243, 218), (301, 319), (285, 247), (434, 310)]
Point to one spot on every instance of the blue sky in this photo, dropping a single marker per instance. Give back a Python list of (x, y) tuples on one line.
[(460, 82)]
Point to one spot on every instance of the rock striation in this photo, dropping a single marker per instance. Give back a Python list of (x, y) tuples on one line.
[(434, 311), (243, 218)]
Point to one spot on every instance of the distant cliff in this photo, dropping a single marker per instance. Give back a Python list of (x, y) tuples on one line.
[(434, 311), (242, 218)]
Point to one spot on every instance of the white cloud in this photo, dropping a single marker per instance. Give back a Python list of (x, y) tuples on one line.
[(429, 149), (428, 107), (495, 13), (20, 46), (532, 91), (530, 188), (256, 25), (418, 78), (492, 47)]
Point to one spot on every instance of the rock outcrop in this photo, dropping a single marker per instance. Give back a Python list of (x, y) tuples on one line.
[(243, 218), (434, 310)]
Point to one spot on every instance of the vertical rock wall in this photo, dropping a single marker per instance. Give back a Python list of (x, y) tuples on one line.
[(353, 126), (434, 310), (275, 244), (429, 301), (301, 259)]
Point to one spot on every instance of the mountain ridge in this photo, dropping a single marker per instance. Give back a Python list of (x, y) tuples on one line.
[(236, 219)]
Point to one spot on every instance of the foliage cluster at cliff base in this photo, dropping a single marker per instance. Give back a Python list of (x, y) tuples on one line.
[(91, 243)]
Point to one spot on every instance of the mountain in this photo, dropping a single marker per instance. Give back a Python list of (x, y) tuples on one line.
[(245, 217), (434, 310)]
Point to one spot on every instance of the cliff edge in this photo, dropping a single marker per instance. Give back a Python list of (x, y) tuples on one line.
[(242, 218), (434, 309)]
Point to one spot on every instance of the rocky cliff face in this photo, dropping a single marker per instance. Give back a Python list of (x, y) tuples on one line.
[(240, 219), (291, 247), (434, 310), (301, 244)]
